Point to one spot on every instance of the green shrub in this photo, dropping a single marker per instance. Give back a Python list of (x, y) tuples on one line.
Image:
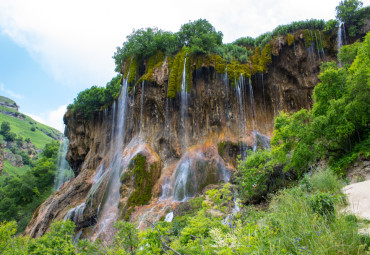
[(253, 174), (323, 204), (326, 181)]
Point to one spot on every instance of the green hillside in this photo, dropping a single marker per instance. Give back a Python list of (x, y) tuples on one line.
[(28, 137), (6, 100), (28, 157)]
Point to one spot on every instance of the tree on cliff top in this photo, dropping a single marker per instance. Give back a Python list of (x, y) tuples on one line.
[(348, 11), (200, 36)]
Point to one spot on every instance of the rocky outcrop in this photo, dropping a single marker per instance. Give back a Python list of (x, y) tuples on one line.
[(171, 149)]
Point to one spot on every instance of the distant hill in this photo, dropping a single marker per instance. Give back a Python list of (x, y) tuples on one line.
[(8, 103), (25, 139)]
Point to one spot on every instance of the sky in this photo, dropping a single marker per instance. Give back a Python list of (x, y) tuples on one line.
[(50, 50)]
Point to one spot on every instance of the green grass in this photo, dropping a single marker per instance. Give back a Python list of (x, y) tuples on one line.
[(6, 109), (23, 128), (6, 100), (12, 170)]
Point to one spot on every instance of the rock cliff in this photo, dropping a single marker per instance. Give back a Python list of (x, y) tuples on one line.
[(145, 154)]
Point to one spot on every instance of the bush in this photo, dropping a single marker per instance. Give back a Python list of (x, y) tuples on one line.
[(326, 181), (253, 174), (323, 204), (91, 100)]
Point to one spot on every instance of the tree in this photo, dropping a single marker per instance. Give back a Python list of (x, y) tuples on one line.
[(200, 36), (348, 12), (5, 127)]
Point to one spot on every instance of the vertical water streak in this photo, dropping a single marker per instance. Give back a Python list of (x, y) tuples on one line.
[(63, 171), (182, 181), (317, 46), (142, 105), (109, 204), (251, 96), (225, 82), (240, 90), (341, 36), (322, 47), (263, 94), (184, 104)]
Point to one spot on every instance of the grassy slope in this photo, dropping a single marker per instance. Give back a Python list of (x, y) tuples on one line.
[(6, 109), (23, 128), (6, 100)]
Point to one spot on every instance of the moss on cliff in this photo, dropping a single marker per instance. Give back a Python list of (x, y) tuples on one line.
[(289, 39), (152, 62), (176, 68), (131, 70), (141, 177)]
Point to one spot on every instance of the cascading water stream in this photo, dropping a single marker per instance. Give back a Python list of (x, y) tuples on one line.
[(322, 47), (182, 179), (251, 99), (109, 204), (240, 90), (317, 46), (142, 105), (341, 36), (184, 104), (64, 171)]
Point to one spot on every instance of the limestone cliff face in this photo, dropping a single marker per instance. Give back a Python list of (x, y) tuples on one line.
[(183, 144)]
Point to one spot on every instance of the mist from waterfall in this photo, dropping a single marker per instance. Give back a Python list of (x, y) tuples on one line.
[(63, 172)]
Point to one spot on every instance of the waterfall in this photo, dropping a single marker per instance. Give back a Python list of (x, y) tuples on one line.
[(263, 94), (251, 99), (169, 217), (225, 82), (240, 91), (76, 213), (63, 171), (166, 190), (341, 40), (182, 189), (109, 204), (317, 46), (184, 103), (142, 105), (322, 47)]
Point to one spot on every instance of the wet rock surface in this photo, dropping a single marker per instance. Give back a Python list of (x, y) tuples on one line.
[(190, 149)]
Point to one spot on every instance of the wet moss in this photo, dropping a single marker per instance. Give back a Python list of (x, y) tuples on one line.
[(176, 71), (235, 70), (221, 147), (289, 39), (142, 181), (307, 36), (220, 64), (152, 62), (265, 58)]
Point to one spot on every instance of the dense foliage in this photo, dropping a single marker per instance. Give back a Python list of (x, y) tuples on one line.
[(21, 194), (300, 220), (338, 124), (93, 99), (350, 12)]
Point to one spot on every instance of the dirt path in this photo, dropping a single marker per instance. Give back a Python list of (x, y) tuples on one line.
[(359, 198), (358, 195)]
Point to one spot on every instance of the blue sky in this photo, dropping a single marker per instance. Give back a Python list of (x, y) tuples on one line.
[(51, 50)]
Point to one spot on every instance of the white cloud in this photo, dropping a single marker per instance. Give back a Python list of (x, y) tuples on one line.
[(9, 93), (52, 118), (75, 40)]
